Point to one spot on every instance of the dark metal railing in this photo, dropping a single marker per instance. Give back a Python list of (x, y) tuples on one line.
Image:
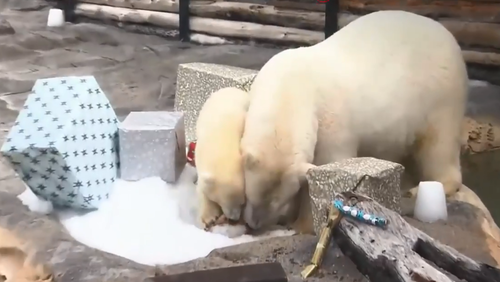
[(68, 7), (331, 17), (184, 30)]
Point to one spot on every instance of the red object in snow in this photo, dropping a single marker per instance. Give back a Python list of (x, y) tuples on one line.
[(190, 154)]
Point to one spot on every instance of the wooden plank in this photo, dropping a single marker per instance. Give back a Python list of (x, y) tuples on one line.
[(237, 11), (479, 11), (294, 5), (401, 252), (218, 27), (263, 14), (485, 36), (263, 272), (480, 65)]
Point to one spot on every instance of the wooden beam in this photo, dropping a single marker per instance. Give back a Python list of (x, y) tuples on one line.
[(482, 58), (294, 5), (262, 272), (467, 10), (476, 35), (236, 11), (216, 27), (485, 36), (151, 5), (481, 65), (401, 252), (262, 14), (252, 30)]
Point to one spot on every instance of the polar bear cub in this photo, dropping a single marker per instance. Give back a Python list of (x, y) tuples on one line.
[(389, 85), (219, 129)]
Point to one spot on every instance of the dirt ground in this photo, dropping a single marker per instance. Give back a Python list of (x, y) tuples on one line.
[(138, 72)]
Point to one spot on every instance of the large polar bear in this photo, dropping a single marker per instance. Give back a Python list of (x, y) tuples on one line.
[(389, 85), (219, 163)]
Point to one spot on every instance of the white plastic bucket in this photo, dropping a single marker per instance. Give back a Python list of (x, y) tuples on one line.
[(56, 18), (431, 202)]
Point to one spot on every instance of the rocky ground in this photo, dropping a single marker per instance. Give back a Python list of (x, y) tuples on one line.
[(138, 72)]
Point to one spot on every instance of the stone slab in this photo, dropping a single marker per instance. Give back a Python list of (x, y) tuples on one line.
[(382, 185), (63, 142), (197, 81), (152, 144)]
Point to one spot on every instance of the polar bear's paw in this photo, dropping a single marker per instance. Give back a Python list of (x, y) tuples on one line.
[(209, 213)]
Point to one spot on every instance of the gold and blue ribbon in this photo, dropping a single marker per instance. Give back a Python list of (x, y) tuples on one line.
[(358, 214)]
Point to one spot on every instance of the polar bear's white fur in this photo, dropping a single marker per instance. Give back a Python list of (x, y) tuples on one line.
[(219, 129), (389, 85)]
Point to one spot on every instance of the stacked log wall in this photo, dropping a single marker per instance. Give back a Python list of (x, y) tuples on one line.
[(474, 23)]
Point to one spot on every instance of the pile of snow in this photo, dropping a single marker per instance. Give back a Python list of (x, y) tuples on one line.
[(148, 221), (35, 204)]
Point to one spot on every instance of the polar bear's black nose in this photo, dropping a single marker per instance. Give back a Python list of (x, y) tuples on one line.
[(232, 213), (252, 216)]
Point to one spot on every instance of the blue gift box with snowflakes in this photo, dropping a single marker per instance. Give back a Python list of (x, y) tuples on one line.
[(63, 144)]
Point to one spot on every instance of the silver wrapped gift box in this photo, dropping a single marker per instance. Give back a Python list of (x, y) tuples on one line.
[(197, 81), (152, 144), (382, 185)]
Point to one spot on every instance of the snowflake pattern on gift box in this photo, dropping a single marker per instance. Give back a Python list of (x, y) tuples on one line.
[(152, 144), (63, 144)]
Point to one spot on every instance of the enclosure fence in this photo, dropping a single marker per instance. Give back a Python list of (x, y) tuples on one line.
[(474, 24)]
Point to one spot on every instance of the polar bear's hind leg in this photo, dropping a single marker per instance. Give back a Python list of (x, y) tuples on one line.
[(437, 155)]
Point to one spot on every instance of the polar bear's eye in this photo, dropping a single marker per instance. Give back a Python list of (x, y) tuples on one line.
[(275, 183)]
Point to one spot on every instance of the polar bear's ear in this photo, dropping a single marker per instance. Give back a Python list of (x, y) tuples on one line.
[(303, 169)]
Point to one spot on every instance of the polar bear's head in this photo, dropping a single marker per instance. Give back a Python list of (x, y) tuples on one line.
[(270, 187), (227, 192)]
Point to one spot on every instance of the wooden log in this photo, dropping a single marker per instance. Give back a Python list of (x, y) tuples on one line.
[(401, 252), (250, 30), (203, 25), (263, 14), (236, 11), (482, 65), (485, 36), (295, 5), (151, 5), (467, 10), (477, 35), (482, 58)]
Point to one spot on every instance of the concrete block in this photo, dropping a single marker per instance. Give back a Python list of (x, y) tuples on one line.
[(326, 181), (152, 144), (197, 81), (64, 142)]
